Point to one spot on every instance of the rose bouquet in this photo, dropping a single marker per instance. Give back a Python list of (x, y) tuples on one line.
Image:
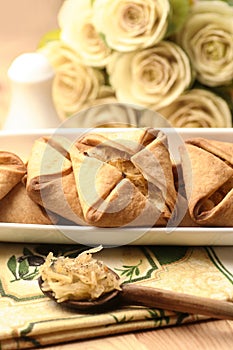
[(174, 57)]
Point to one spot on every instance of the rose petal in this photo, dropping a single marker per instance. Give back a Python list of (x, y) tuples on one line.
[(198, 108), (151, 77), (131, 25), (207, 37)]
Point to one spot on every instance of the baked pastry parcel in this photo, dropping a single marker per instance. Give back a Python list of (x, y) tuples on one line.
[(124, 178), (50, 179), (17, 207), (12, 170), (208, 178), (15, 204)]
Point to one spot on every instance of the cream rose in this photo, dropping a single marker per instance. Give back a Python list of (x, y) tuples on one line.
[(197, 108), (152, 77), (78, 32), (207, 37), (75, 84), (129, 25)]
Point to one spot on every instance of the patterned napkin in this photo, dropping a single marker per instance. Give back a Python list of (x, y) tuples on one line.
[(28, 319)]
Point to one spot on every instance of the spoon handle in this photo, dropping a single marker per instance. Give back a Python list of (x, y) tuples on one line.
[(169, 300)]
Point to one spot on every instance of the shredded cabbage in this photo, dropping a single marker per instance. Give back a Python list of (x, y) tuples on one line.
[(81, 278)]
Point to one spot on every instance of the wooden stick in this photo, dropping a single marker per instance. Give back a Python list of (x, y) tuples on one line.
[(169, 300)]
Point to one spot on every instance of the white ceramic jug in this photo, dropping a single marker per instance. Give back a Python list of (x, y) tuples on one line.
[(31, 107)]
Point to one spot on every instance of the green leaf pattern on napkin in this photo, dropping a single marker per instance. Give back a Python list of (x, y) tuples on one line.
[(130, 271)]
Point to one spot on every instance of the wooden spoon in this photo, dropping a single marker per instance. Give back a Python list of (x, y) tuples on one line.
[(135, 295)]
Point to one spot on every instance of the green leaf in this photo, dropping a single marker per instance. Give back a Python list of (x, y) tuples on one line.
[(158, 315), (23, 268), (27, 252), (164, 317), (129, 273), (31, 276), (122, 320), (103, 37), (178, 14), (11, 264), (180, 317), (130, 270), (50, 36)]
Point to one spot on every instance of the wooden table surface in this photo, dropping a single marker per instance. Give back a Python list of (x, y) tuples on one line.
[(211, 335), (20, 31)]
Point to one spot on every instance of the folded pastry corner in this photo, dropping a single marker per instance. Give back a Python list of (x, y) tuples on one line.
[(50, 180), (12, 170), (208, 178), (124, 179)]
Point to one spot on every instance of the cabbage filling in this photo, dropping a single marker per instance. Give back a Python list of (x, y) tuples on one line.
[(81, 278)]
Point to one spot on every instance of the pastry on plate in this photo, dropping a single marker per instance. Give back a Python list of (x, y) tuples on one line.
[(208, 178), (18, 207), (50, 179), (12, 170), (124, 178)]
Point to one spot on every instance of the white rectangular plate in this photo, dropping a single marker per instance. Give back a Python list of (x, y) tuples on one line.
[(20, 142), (115, 236)]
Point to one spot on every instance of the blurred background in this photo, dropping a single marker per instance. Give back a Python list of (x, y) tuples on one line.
[(172, 79), (22, 24)]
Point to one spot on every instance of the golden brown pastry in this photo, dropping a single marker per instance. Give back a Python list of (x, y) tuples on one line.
[(208, 177), (124, 178), (50, 179), (17, 207), (12, 170)]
